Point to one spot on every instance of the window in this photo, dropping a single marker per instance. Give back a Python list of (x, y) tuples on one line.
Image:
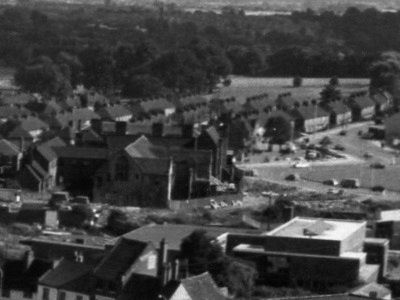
[(122, 168), (61, 296), (46, 293)]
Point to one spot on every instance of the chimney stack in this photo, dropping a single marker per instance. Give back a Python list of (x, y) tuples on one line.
[(175, 270)]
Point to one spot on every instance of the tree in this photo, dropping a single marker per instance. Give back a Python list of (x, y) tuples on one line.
[(330, 92), (278, 129), (385, 74), (205, 255), (297, 81), (43, 77), (334, 81), (141, 86)]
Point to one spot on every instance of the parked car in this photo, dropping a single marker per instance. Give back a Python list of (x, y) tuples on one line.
[(343, 132), (292, 177), (378, 188), (377, 165), (368, 155), (80, 200), (311, 154), (339, 147), (335, 192), (301, 164), (351, 183), (332, 182), (58, 199)]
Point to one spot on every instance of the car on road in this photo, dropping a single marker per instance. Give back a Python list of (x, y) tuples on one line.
[(292, 177), (58, 199), (351, 183), (335, 192), (214, 204), (368, 155), (301, 164), (378, 188), (343, 132), (332, 182), (377, 165), (339, 147)]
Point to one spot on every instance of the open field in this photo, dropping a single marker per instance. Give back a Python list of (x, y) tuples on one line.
[(243, 87)]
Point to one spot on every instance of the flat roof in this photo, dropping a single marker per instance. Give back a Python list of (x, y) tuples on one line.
[(325, 229)]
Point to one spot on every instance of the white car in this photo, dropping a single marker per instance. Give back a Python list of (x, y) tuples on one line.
[(301, 164)]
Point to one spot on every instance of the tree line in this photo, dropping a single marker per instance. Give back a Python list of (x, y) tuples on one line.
[(141, 52)]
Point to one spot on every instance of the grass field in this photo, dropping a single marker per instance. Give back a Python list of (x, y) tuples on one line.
[(388, 178), (243, 87)]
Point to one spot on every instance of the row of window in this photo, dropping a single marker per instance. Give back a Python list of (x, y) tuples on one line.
[(60, 296)]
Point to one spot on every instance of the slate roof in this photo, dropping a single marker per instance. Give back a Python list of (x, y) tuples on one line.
[(8, 149), (202, 287), (68, 275), (175, 233), (213, 134), (362, 101), (77, 114), (113, 112), (123, 255), (310, 112), (32, 123), (81, 152), (90, 136), (143, 148)]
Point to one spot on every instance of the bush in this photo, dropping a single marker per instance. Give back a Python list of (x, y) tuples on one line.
[(297, 81)]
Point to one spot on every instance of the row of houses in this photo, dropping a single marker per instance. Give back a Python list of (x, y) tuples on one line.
[(307, 116)]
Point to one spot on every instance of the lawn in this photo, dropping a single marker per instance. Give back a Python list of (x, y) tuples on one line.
[(243, 87)]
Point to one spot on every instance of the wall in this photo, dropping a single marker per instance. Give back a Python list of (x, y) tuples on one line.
[(72, 295), (52, 294), (354, 243), (19, 295)]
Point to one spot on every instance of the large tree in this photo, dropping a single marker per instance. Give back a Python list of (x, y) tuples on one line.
[(278, 129), (385, 74)]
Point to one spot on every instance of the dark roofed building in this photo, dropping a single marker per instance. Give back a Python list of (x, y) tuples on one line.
[(340, 113), (10, 155), (362, 106), (310, 117), (68, 280)]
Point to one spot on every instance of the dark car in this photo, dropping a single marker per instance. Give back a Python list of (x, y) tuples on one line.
[(377, 165), (343, 132), (58, 199), (378, 188), (339, 147), (292, 177)]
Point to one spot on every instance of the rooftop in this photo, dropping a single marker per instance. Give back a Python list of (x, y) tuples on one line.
[(325, 229)]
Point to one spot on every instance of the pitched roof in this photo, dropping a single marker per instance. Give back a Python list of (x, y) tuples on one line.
[(90, 136), (192, 101), (213, 134), (8, 149), (32, 123), (366, 290), (39, 170), (202, 287), (153, 105), (123, 255), (77, 114), (143, 148), (338, 107), (114, 111), (7, 111), (67, 275), (81, 152)]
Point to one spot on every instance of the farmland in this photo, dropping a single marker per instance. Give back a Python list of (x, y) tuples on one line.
[(243, 87)]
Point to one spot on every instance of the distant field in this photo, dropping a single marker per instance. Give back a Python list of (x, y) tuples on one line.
[(243, 87)]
